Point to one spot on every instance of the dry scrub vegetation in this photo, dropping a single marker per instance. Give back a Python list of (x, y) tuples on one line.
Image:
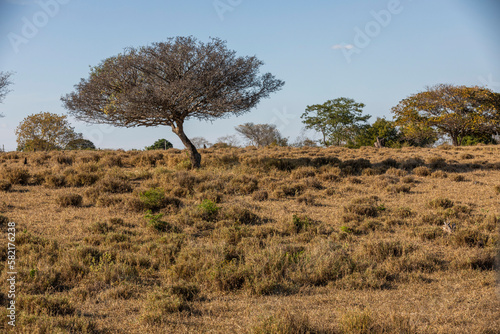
[(274, 240)]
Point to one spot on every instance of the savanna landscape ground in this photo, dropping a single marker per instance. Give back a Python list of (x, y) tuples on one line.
[(271, 240)]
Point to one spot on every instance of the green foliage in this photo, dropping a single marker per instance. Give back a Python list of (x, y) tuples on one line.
[(152, 199), (478, 139), (208, 209), (454, 111), (339, 121), (160, 144), (155, 221), (80, 144), (381, 128)]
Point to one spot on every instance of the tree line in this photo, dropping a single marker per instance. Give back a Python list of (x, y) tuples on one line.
[(171, 82)]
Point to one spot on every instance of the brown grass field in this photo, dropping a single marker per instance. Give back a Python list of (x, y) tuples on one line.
[(274, 240)]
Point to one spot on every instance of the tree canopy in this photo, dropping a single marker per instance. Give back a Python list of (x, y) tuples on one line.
[(45, 131), (168, 83), (160, 144), (261, 134), (4, 85), (455, 111), (80, 144), (382, 129), (338, 121)]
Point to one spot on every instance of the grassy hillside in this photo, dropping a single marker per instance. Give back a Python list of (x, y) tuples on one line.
[(276, 240)]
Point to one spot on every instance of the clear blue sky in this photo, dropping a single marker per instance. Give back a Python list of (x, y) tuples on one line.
[(317, 47)]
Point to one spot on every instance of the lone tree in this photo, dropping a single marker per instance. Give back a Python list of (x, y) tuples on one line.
[(168, 83), (339, 120), (260, 134), (4, 85), (45, 131), (456, 111)]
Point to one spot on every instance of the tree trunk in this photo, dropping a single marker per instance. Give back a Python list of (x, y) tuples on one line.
[(454, 139), (194, 156)]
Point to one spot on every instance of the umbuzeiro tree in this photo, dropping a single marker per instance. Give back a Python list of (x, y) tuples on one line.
[(168, 83)]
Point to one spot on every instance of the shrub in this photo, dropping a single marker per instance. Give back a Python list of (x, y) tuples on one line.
[(153, 199), (362, 207), (442, 203), (300, 223), (54, 181), (5, 185), (208, 210), (412, 163), (115, 185), (239, 214), (156, 223), (395, 172), (437, 162), (422, 171), (243, 185), (69, 200), (439, 174), (82, 179), (16, 175)]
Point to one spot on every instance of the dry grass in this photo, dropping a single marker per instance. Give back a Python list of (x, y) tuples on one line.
[(274, 240)]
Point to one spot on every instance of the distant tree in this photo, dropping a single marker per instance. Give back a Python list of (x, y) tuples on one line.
[(200, 142), (4, 85), (80, 144), (160, 144), (227, 141), (169, 83), (339, 121), (303, 141), (45, 131), (455, 111), (382, 129), (419, 135), (261, 134)]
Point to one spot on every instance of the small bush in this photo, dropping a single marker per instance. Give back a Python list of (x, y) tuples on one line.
[(437, 162), (156, 223), (16, 175), (442, 203), (113, 185), (208, 210), (153, 199), (67, 200), (395, 172), (82, 179), (439, 174), (422, 171), (300, 223), (54, 181)]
